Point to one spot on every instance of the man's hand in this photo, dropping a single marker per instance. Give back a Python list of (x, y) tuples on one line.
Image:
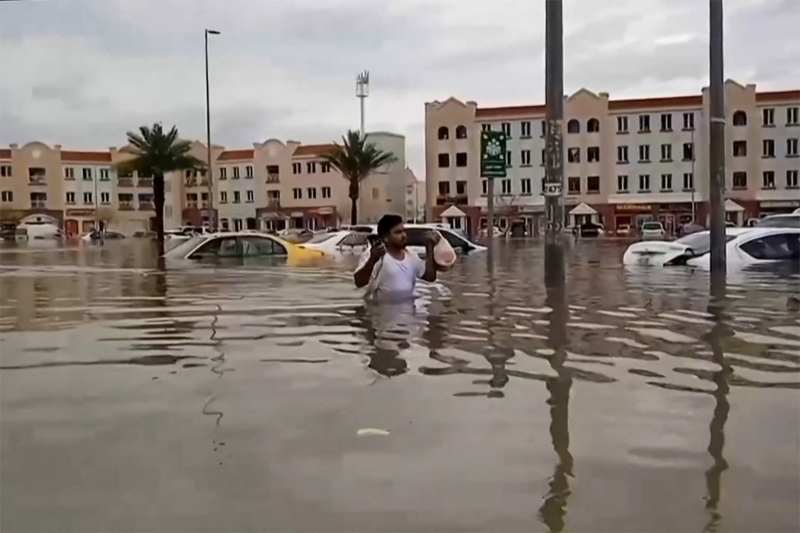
[(377, 251), (432, 239)]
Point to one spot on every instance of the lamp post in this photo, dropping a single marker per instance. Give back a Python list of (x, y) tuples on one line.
[(717, 147), (362, 92), (209, 172)]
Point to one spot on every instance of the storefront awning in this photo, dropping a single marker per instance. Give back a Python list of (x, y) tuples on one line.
[(453, 212), (731, 206), (583, 209)]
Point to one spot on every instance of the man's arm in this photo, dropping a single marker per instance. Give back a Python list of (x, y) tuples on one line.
[(362, 276)]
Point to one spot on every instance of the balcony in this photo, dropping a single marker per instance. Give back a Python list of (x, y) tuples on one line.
[(126, 181), (146, 206), (37, 181), (273, 202), (191, 205), (190, 182), (38, 204), (145, 182), (126, 206), (273, 178)]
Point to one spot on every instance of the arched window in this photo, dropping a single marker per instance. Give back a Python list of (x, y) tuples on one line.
[(573, 126), (461, 132), (740, 118), (444, 133), (593, 126)]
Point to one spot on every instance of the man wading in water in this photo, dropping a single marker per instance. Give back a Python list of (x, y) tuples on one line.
[(388, 270)]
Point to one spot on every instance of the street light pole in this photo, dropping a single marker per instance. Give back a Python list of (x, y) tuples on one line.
[(554, 159), (209, 171), (717, 145)]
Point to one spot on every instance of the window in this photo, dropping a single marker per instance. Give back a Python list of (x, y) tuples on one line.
[(484, 187), (574, 155), (505, 186), (644, 153), (248, 171), (644, 183), (5, 171), (768, 180), (250, 197), (223, 197), (506, 127), (297, 168), (236, 173), (593, 184), (666, 182), (768, 148), (525, 158), (461, 132), (740, 118), (593, 154), (769, 117), (444, 188), (622, 154), (573, 126), (544, 129), (311, 167), (739, 180), (461, 188), (666, 122), (739, 148), (70, 197), (593, 126), (508, 158), (260, 246), (443, 134), (297, 193), (38, 199), (461, 159), (223, 173), (688, 151), (486, 127), (444, 160), (325, 167), (622, 124), (105, 198), (525, 129), (7, 196), (791, 179), (87, 198), (792, 116), (311, 192), (791, 147), (69, 173), (237, 197), (666, 152), (525, 186), (544, 156), (104, 175), (688, 121), (622, 183), (781, 247), (87, 174), (574, 185), (326, 192), (644, 123), (273, 198), (688, 181)]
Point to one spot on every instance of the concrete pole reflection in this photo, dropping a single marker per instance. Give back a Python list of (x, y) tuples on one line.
[(554, 509)]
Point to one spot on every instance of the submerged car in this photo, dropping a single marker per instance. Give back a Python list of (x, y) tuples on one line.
[(666, 253), (780, 221), (95, 235), (213, 247)]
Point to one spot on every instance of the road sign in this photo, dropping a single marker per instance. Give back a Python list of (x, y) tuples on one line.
[(552, 189), (493, 154)]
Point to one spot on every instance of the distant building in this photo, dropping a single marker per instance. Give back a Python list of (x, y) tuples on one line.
[(625, 161)]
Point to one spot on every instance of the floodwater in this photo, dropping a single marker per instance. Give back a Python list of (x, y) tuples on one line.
[(258, 397)]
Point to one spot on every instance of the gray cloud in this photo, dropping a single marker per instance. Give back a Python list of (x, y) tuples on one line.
[(85, 71)]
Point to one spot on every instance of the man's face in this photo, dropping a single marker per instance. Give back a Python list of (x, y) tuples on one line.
[(397, 237)]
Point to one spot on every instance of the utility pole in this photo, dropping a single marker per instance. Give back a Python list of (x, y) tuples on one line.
[(211, 221), (717, 146), (362, 92), (554, 157)]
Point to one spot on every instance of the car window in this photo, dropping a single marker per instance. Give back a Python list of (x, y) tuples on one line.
[(417, 236), (783, 246), (260, 246), (651, 225), (356, 238), (455, 241), (780, 222), (184, 247), (222, 247)]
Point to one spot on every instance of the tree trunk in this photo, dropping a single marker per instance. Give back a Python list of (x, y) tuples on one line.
[(158, 204), (353, 202)]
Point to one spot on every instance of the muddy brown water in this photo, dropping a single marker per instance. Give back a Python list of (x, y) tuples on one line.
[(251, 396)]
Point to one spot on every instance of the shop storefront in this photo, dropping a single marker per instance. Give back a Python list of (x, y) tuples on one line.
[(312, 218), (776, 207), (671, 215)]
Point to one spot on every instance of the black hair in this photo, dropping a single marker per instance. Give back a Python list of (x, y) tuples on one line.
[(386, 223)]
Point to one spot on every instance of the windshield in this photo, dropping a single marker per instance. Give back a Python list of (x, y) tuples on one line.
[(322, 237), (185, 246), (781, 221), (651, 225)]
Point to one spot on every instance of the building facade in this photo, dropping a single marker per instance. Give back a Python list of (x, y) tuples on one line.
[(625, 161), (272, 186)]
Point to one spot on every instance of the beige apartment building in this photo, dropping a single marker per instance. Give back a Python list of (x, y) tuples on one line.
[(625, 161), (272, 186)]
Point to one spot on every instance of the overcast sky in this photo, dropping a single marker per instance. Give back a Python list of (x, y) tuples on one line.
[(82, 72)]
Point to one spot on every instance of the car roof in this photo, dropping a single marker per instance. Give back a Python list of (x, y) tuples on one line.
[(756, 232)]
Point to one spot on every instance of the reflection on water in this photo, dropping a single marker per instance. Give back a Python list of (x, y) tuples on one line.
[(604, 403)]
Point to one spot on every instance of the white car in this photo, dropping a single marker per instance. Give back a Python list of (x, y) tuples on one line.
[(237, 245), (780, 221), (757, 246), (104, 235), (653, 230), (665, 253)]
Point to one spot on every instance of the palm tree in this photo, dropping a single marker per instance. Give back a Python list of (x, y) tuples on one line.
[(157, 153), (356, 159)]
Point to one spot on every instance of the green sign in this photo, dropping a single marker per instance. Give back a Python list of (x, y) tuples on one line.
[(493, 154)]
